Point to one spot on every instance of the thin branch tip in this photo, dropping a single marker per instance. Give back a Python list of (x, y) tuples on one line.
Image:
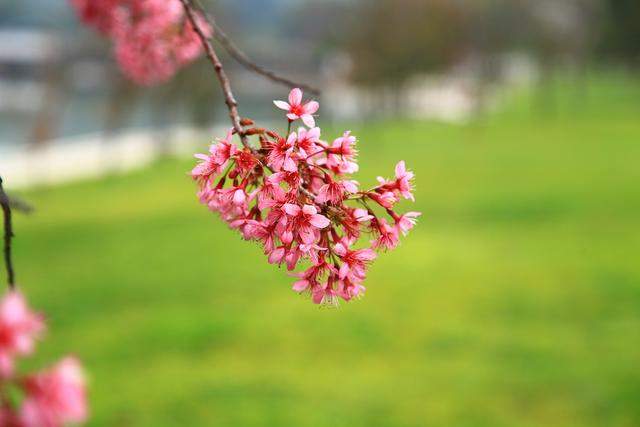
[(8, 235), (219, 70), (20, 205), (243, 59)]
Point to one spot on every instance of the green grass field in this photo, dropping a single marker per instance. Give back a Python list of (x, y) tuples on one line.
[(515, 302)]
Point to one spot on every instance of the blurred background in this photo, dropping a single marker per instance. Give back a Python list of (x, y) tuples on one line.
[(515, 301)]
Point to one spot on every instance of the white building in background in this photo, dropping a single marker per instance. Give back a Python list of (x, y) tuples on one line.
[(24, 57)]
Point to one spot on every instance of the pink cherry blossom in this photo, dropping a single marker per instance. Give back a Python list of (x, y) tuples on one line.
[(403, 181), (305, 221), (19, 328), (362, 215), (307, 141), (296, 109), (290, 196), (230, 202), (311, 251), (388, 235), (351, 223), (387, 193), (386, 199), (245, 160), (212, 164), (101, 14), (335, 191), (314, 277), (152, 38), (354, 261), (225, 149), (277, 255), (52, 398), (281, 154), (348, 290), (55, 397), (407, 221), (325, 295), (342, 154), (271, 193), (249, 228)]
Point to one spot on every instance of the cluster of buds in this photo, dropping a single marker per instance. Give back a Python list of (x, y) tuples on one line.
[(292, 194), (52, 398), (152, 38)]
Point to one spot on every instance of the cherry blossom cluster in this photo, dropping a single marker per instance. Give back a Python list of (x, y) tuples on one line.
[(293, 194), (51, 398), (152, 38)]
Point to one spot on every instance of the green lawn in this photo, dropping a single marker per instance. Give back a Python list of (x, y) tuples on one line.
[(515, 302)]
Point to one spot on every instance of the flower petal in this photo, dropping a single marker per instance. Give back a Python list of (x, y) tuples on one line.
[(344, 270), (340, 249), (313, 134), (308, 120), (311, 107), (300, 285), (319, 221), (309, 209), (286, 237), (350, 186), (289, 165), (307, 235), (276, 256), (318, 296), (366, 254), (291, 209), (295, 96), (282, 105), (239, 197)]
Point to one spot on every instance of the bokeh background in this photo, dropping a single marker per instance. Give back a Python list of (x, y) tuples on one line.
[(515, 301)]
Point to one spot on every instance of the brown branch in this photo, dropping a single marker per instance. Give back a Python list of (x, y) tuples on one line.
[(224, 81), (8, 235), (245, 61), (232, 105)]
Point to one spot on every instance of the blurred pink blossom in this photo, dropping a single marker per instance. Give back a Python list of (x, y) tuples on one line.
[(19, 329), (55, 397), (52, 398), (152, 39)]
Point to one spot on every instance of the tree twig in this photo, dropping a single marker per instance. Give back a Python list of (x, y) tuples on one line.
[(19, 205), (223, 79), (230, 100), (8, 235), (245, 61)]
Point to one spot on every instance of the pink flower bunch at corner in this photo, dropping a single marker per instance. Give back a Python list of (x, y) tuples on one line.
[(152, 38), (293, 194), (54, 397)]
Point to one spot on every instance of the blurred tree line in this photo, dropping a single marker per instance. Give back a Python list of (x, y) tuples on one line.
[(392, 40)]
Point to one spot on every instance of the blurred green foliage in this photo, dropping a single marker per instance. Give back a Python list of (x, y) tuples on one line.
[(391, 41), (515, 302)]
